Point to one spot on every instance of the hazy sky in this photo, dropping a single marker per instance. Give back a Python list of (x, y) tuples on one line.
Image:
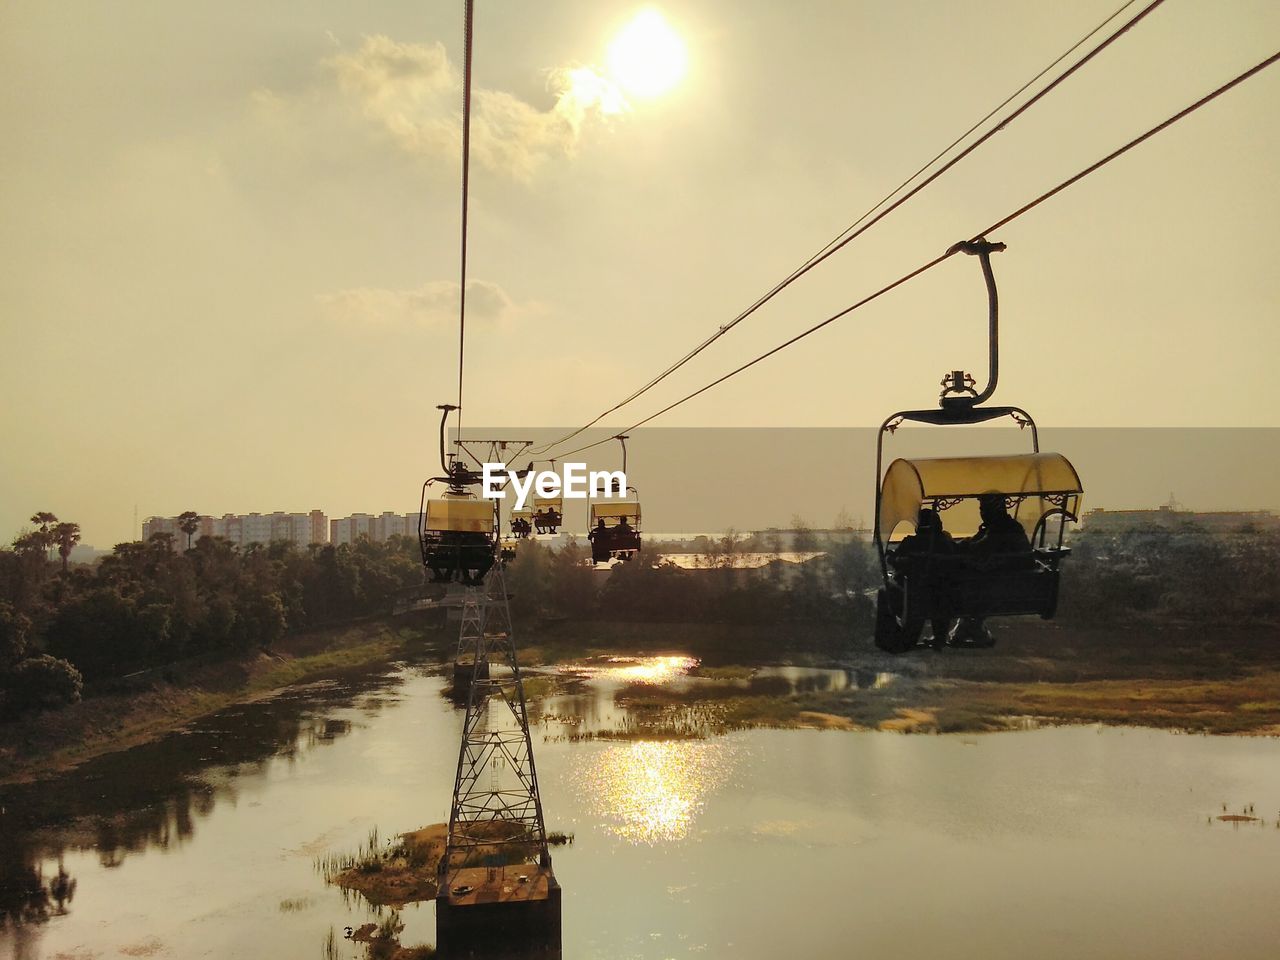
[(229, 232)]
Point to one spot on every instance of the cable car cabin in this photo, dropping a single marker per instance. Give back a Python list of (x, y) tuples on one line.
[(548, 512), (966, 538), (459, 538), (615, 530), (521, 523), (508, 548)]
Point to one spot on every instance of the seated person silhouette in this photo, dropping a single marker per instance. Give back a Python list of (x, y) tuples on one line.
[(448, 556), (625, 538), (1000, 544), (475, 557), (930, 539), (601, 538), (999, 533)]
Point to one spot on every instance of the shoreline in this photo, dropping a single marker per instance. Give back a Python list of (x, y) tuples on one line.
[(53, 742), (966, 707), (950, 692)]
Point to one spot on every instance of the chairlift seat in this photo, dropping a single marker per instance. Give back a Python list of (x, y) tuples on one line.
[(612, 540), (548, 514), (946, 585), (459, 538)]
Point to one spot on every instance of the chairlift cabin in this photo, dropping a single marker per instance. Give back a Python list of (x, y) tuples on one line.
[(614, 520), (459, 537), (521, 523), (548, 514), (457, 531), (962, 539), (957, 568), (614, 529)]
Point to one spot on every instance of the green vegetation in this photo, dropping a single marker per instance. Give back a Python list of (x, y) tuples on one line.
[(40, 743), (923, 698), (1129, 582), (1163, 575), (149, 607), (725, 613), (405, 869), (153, 636)]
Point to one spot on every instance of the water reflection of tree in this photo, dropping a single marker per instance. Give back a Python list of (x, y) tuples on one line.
[(151, 796), (26, 895)]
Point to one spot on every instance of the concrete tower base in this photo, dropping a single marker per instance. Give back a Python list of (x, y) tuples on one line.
[(499, 913)]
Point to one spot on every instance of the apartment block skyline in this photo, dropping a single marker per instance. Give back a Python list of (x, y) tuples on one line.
[(377, 528), (302, 529)]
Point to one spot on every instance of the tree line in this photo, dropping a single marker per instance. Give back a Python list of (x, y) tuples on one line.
[(1156, 575), (1173, 575), (148, 603), (821, 602)]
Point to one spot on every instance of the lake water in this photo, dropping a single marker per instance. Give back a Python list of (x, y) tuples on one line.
[(1066, 842)]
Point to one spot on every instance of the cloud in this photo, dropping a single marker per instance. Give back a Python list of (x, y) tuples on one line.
[(412, 91), (431, 306)]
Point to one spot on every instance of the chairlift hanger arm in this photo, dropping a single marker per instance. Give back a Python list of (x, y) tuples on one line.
[(446, 408), (958, 385)]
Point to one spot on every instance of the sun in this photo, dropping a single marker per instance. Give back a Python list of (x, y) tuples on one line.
[(647, 58)]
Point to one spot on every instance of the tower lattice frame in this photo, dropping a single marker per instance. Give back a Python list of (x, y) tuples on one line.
[(496, 815)]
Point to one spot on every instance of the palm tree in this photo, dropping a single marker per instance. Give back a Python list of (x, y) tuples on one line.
[(45, 521), (66, 535), (189, 523)]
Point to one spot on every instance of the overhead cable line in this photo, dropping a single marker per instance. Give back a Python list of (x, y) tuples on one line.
[(1002, 222), (466, 180), (867, 220)]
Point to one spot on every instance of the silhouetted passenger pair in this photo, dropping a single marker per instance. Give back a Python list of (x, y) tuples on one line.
[(1000, 543), (547, 520)]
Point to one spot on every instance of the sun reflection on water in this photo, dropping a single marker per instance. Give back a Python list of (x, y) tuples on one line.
[(654, 670), (651, 791)]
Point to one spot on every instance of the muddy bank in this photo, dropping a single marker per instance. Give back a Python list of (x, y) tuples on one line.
[(406, 868), (1202, 679), (55, 741), (1221, 681), (1248, 706)]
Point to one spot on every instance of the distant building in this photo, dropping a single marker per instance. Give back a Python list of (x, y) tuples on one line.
[(1171, 517), (86, 553), (378, 528), (243, 529)]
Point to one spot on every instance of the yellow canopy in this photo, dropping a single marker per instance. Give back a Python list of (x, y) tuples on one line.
[(1026, 479), (548, 503), (460, 516), (612, 512), (523, 514)]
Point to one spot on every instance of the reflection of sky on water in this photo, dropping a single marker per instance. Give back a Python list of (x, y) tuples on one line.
[(1057, 843), (651, 791), (611, 696)]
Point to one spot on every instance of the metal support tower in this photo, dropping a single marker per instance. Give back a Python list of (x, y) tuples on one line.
[(470, 608), (496, 818)]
